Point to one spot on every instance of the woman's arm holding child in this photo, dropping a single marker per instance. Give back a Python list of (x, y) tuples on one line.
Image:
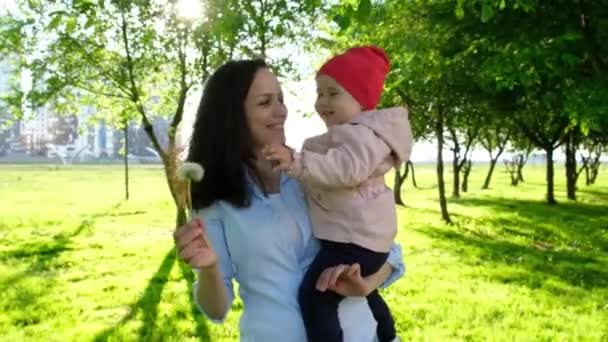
[(347, 280)]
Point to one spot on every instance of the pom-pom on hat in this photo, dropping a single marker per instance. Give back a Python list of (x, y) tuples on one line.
[(361, 71)]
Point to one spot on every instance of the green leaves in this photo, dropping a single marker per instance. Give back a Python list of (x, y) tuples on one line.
[(348, 15), (83, 6), (487, 12), (363, 10), (459, 11), (116, 57), (57, 17), (70, 24), (343, 21)]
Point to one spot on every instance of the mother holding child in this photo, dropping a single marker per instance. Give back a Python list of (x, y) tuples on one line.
[(305, 234)]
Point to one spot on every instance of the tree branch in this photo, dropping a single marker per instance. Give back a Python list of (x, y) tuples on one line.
[(184, 87), (407, 99), (529, 134), (102, 93), (102, 70), (135, 93)]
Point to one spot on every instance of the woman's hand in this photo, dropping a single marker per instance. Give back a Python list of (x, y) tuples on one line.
[(193, 245), (345, 280)]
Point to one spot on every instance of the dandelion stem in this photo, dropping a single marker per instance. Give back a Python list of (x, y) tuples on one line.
[(189, 198)]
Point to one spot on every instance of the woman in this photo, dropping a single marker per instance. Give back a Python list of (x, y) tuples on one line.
[(251, 223)]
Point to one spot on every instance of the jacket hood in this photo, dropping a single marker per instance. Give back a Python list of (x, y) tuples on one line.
[(393, 126)]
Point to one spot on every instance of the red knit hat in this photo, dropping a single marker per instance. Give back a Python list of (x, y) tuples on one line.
[(361, 71)]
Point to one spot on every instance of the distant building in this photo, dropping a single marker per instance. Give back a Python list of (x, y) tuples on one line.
[(72, 138), (6, 124)]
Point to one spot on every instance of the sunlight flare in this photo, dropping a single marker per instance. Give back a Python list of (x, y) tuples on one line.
[(190, 9)]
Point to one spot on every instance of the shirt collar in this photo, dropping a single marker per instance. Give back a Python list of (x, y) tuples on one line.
[(256, 190)]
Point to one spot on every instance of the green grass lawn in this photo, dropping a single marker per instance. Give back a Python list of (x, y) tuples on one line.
[(79, 263)]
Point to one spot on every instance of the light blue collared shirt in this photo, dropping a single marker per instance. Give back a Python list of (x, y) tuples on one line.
[(267, 248)]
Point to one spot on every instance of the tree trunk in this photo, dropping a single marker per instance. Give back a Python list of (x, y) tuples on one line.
[(177, 187), (514, 180), (595, 169), (168, 156), (126, 160), (486, 183), (584, 167), (521, 162), (456, 171), (411, 168), (465, 177), (595, 165), (571, 166), (550, 195), (399, 179), (511, 168), (440, 181)]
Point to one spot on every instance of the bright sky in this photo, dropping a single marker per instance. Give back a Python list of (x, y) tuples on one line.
[(7, 5)]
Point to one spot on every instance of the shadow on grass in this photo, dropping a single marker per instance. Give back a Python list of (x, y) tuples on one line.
[(44, 254), (201, 324), (49, 250), (148, 305), (577, 225), (42, 257), (537, 266), (594, 194)]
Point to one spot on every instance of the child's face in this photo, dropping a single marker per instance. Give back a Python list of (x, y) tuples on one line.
[(334, 104)]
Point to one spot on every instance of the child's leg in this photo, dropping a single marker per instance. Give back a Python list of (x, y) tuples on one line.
[(320, 309), (371, 262), (386, 326)]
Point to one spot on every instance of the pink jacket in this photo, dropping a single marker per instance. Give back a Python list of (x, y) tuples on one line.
[(343, 175)]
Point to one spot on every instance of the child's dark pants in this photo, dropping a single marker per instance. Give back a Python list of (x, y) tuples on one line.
[(320, 309)]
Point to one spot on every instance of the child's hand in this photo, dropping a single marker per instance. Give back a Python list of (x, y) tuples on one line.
[(280, 155)]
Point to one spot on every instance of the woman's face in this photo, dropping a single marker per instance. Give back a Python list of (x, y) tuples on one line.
[(265, 110)]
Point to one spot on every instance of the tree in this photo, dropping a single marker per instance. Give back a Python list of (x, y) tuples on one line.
[(138, 56), (494, 140), (542, 62), (400, 178), (430, 71), (466, 171), (548, 135), (595, 143), (125, 130), (572, 140), (591, 163), (548, 58), (439, 128), (589, 130), (521, 148), (361, 23), (463, 131)]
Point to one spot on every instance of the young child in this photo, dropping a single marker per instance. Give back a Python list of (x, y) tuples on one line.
[(352, 210)]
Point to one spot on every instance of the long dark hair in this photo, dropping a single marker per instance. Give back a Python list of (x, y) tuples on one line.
[(221, 139)]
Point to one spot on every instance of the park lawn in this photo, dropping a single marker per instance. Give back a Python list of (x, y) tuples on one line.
[(80, 263)]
